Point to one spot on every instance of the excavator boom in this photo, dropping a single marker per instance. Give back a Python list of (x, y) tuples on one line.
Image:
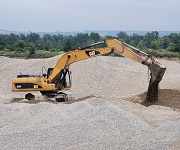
[(73, 56)]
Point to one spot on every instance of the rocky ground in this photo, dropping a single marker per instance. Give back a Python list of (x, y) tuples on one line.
[(110, 112)]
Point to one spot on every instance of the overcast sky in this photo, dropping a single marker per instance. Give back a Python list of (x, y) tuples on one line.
[(80, 15)]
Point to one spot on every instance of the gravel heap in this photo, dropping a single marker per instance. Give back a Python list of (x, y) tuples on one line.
[(91, 124), (112, 121)]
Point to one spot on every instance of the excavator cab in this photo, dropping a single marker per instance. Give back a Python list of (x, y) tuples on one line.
[(49, 72), (64, 79)]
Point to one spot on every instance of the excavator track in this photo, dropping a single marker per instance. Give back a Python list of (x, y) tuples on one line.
[(59, 96)]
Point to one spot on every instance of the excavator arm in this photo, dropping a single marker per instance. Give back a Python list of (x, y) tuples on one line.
[(157, 70), (123, 49), (55, 79)]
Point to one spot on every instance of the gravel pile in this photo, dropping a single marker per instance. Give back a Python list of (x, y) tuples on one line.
[(91, 124), (107, 77), (111, 121)]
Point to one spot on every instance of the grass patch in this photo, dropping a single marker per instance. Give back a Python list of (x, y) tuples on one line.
[(37, 54), (48, 54), (162, 53), (44, 54)]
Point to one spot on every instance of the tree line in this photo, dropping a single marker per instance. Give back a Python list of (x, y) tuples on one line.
[(33, 45)]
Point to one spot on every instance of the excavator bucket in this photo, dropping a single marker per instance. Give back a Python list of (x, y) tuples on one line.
[(157, 73)]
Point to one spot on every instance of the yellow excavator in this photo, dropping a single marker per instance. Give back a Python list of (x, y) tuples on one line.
[(58, 79)]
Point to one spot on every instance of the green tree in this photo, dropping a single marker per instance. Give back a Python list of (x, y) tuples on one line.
[(154, 44), (135, 38), (122, 36), (31, 49), (32, 37), (165, 42), (140, 45), (21, 44), (149, 37), (95, 37), (156, 35), (67, 45), (174, 48)]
